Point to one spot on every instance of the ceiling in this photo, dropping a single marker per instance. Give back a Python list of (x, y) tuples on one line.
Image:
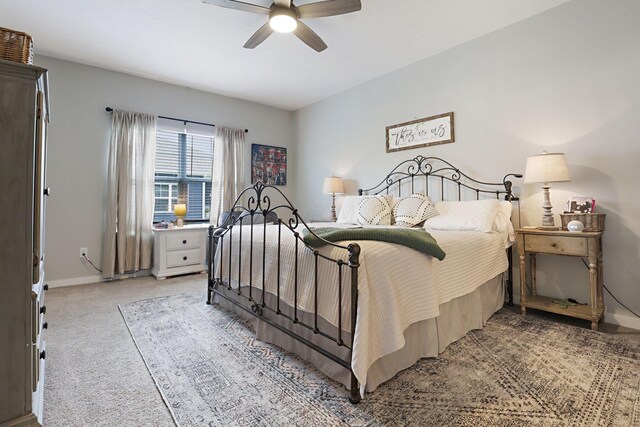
[(193, 44)]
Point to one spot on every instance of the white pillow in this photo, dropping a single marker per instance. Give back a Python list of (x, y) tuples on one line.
[(413, 210), (349, 210), (394, 202), (503, 217), (474, 215), (503, 224), (374, 210), (347, 214)]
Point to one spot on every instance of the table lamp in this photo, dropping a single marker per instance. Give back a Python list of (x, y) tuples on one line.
[(546, 168), (333, 185), (180, 210)]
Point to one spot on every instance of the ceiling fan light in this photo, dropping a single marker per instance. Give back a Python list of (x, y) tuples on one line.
[(283, 23)]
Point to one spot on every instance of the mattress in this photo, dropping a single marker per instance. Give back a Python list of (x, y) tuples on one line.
[(397, 286)]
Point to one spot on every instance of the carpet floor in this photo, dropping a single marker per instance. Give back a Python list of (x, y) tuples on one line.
[(516, 371), (95, 375)]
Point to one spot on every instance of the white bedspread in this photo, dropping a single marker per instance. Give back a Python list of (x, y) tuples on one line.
[(397, 286)]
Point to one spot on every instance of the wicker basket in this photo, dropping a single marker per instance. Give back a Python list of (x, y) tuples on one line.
[(591, 222), (16, 46)]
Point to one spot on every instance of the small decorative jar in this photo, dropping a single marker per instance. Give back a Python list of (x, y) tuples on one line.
[(575, 226)]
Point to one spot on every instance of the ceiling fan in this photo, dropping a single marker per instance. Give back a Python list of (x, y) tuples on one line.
[(284, 17)]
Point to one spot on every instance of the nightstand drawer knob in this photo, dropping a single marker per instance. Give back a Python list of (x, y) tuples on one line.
[(43, 309), (46, 287), (184, 258), (43, 354), (184, 242), (45, 325)]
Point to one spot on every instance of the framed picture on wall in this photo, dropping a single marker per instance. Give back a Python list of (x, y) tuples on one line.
[(268, 164), (581, 205), (434, 130)]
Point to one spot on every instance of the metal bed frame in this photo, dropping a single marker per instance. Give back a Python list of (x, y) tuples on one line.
[(258, 212)]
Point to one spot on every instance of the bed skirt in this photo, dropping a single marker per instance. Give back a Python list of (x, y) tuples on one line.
[(427, 338)]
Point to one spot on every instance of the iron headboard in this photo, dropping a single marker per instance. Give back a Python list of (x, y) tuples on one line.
[(429, 169), (434, 169)]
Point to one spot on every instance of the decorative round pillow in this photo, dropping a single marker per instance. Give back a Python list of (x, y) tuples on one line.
[(374, 210), (413, 210)]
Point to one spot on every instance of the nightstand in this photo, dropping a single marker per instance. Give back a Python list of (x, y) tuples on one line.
[(588, 244), (179, 250)]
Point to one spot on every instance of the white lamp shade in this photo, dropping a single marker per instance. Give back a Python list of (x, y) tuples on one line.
[(333, 185), (546, 167)]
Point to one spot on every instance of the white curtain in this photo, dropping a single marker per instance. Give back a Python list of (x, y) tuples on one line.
[(128, 240), (228, 170)]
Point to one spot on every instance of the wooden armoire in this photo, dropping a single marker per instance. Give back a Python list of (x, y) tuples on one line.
[(24, 114)]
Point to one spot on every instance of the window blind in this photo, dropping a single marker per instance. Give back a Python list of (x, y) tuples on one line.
[(185, 159)]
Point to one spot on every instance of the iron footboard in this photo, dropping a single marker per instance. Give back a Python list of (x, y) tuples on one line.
[(253, 218)]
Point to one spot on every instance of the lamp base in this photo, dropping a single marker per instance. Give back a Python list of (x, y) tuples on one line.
[(179, 221), (334, 218), (547, 217)]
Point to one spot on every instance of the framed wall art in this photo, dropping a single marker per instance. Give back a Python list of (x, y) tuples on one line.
[(434, 130), (268, 164)]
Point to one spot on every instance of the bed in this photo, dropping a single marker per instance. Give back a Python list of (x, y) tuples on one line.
[(360, 311)]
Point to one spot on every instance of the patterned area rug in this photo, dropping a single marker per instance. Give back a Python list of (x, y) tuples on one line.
[(517, 371)]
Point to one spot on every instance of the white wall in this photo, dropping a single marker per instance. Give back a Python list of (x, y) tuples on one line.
[(78, 147), (566, 80)]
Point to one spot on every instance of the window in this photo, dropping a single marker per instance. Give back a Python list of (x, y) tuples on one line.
[(166, 197), (183, 172)]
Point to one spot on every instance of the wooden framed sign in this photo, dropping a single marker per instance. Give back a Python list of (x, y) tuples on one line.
[(434, 130)]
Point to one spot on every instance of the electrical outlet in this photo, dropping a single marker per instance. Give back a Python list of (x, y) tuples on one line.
[(84, 252)]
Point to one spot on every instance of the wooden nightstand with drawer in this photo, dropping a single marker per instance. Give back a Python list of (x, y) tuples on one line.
[(179, 250), (533, 241)]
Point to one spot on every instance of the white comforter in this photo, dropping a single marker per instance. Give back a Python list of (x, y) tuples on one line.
[(397, 286)]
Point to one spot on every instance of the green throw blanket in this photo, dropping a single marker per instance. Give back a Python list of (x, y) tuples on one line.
[(414, 238)]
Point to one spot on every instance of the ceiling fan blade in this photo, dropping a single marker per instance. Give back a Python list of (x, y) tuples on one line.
[(239, 5), (328, 8), (259, 36), (307, 35), (282, 3)]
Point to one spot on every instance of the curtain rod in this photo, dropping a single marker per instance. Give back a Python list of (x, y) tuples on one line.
[(109, 110)]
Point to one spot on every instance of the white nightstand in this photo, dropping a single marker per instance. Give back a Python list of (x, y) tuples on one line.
[(179, 250)]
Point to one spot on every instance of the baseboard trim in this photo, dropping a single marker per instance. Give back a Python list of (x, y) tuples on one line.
[(622, 320), (75, 281)]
